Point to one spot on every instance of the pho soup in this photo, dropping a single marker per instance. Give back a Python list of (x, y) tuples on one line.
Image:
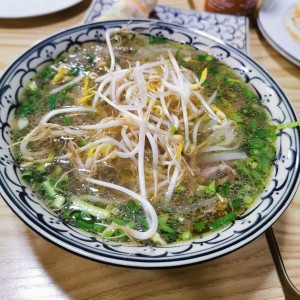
[(143, 140)]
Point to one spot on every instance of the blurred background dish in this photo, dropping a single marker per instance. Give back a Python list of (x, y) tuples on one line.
[(278, 23), (229, 28), (32, 8)]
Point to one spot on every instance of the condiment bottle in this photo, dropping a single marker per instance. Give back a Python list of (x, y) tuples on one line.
[(233, 7)]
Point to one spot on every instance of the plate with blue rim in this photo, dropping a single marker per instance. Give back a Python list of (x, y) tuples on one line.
[(276, 197), (231, 29)]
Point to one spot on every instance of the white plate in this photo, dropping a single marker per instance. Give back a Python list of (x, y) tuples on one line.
[(32, 8), (271, 23)]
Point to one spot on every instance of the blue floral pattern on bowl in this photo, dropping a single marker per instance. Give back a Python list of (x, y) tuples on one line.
[(231, 29), (268, 207)]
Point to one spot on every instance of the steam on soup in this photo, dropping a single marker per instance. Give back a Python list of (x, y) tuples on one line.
[(143, 139)]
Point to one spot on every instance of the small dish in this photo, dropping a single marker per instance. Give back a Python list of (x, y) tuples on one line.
[(268, 207), (272, 21), (32, 8)]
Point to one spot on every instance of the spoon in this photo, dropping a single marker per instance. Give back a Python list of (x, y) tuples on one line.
[(289, 290)]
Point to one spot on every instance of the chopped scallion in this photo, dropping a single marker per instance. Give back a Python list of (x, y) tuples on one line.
[(91, 209), (223, 221)]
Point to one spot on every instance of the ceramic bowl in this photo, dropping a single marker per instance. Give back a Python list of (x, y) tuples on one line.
[(269, 206)]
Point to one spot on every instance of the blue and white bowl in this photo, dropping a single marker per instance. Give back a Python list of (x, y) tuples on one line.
[(266, 210)]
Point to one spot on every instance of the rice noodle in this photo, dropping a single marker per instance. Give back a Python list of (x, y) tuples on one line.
[(224, 156), (55, 112), (110, 49), (73, 81), (152, 219)]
